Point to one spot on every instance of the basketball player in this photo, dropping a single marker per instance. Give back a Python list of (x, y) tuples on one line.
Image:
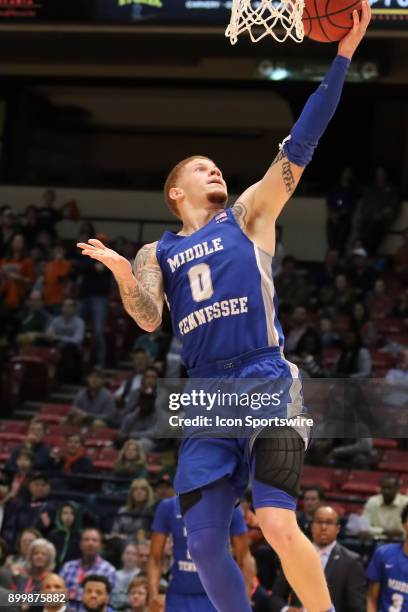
[(185, 591), (216, 276)]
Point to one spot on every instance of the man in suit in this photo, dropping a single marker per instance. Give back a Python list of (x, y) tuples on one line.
[(343, 569)]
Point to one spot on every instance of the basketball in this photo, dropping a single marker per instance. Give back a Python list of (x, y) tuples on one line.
[(328, 20)]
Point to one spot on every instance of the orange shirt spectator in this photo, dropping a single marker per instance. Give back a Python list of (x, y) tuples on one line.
[(55, 278), (12, 288)]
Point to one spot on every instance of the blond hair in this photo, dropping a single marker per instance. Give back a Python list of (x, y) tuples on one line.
[(172, 178), (139, 482)]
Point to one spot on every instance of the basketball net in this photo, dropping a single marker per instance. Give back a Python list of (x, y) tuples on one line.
[(279, 19)]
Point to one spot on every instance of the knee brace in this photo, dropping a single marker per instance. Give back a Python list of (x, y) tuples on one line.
[(279, 460)]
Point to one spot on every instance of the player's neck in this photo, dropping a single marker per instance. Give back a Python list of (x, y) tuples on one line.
[(194, 220)]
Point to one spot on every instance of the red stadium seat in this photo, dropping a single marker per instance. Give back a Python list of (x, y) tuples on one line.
[(56, 409), (363, 482), (14, 436), (14, 426), (106, 459), (326, 477), (6, 448), (100, 436), (390, 325), (55, 441), (385, 443), (394, 461), (56, 429)]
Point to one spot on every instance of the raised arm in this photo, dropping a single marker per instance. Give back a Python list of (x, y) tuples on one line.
[(264, 200), (141, 290)]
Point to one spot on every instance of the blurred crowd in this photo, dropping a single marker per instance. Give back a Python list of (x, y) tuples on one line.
[(345, 317)]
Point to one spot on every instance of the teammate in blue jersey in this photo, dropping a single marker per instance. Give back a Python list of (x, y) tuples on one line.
[(388, 575), (186, 591), (216, 276)]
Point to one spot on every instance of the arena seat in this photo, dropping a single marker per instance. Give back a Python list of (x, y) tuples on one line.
[(363, 482), (105, 459), (54, 413), (14, 426), (11, 436), (326, 477), (36, 381), (394, 461), (60, 429), (385, 443), (6, 449), (390, 325), (100, 436)]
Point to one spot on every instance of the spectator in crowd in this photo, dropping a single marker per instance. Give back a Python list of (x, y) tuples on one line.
[(40, 562), (343, 569), (34, 321), (137, 513), (8, 229), (343, 295), (66, 535), (388, 574), (17, 564), (379, 303), (129, 570), (96, 593), (37, 511), (20, 478), (30, 227), (326, 273), (328, 336), (362, 276), (74, 461), (299, 326), (17, 272), (140, 360), (48, 214), (94, 283), (361, 324), (308, 356), (354, 360), (154, 343), (95, 404), (379, 208), (313, 497), (146, 415), (290, 286), (398, 376), (341, 205), (186, 591), (53, 585), (90, 562), (67, 331), (34, 443), (401, 256), (131, 463), (56, 279), (137, 595), (383, 512), (163, 487)]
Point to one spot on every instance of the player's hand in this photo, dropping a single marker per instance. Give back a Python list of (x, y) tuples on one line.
[(118, 265), (350, 42), (157, 604)]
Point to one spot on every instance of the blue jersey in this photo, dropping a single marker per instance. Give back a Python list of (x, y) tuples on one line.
[(220, 291), (168, 520), (389, 567)]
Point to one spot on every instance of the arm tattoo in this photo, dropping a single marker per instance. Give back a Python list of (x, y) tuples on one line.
[(287, 174), (140, 297), (239, 210)]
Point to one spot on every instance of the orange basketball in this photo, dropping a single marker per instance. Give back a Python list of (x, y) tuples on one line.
[(328, 20)]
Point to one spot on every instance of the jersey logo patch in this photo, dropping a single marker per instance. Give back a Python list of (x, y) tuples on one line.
[(221, 217)]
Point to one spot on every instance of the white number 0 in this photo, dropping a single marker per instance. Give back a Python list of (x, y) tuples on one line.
[(200, 282), (397, 603)]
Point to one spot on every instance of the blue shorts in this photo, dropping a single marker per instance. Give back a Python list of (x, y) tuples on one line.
[(203, 460), (177, 602)]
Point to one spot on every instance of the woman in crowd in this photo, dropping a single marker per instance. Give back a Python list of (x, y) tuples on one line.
[(131, 463), (124, 576), (137, 514), (40, 562), (18, 563), (67, 533), (354, 360)]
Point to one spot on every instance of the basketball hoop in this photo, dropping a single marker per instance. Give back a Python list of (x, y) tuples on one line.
[(279, 19)]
